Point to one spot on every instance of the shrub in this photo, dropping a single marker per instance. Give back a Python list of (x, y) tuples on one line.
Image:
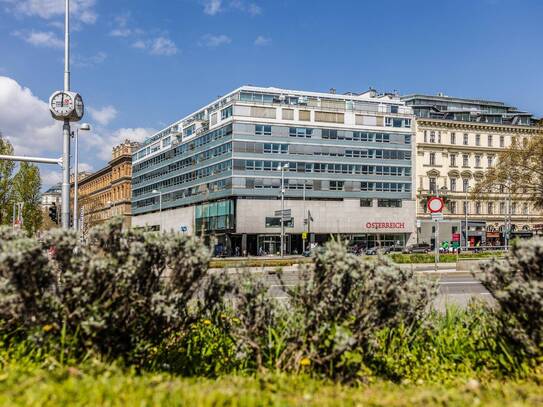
[(111, 294), (517, 286), (334, 317)]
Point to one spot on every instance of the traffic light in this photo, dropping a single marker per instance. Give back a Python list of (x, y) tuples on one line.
[(53, 213)]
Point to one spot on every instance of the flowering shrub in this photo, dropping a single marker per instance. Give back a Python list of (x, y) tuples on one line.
[(517, 286), (112, 293)]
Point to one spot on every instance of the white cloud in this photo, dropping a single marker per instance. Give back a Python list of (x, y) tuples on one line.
[(26, 121), (82, 10), (121, 29), (87, 61), (41, 38), (157, 46), (103, 116), (102, 141), (212, 7), (261, 41), (250, 8), (210, 40)]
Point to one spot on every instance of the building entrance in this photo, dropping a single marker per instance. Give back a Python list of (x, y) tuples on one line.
[(271, 245)]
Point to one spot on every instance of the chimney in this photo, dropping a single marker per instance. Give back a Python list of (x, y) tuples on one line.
[(333, 91)]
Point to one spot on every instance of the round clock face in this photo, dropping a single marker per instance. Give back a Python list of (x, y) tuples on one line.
[(79, 106), (62, 104)]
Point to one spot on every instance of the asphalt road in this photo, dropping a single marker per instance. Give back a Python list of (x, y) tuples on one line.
[(454, 288)]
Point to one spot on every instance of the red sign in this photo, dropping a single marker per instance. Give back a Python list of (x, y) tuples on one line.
[(456, 237), (435, 204), (385, 225)]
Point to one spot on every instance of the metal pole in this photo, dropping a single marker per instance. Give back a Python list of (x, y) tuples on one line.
[(66, 127), (303, 240), (31, 159), (282, 210), (466, 220), (76, 170), (436, 239), (160, 209)]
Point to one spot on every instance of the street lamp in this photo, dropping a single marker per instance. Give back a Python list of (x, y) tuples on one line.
[(155, 192), (443, 191), (83, 127), (282, 168)]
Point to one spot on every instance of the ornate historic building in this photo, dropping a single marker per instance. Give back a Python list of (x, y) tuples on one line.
[(457, 140), (108, 191)]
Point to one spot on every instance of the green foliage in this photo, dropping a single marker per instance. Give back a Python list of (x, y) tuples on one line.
[(26, 189), (421, 258), (6, 184), (517, 286), (110, 295)]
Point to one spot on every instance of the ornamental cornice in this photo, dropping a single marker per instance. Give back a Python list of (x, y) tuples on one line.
[(486, 127)]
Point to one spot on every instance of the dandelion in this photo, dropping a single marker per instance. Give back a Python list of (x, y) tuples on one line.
[(236, 320), (207, 322), (305, 362), (48, 327)]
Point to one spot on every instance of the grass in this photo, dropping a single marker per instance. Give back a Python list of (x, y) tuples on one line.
[(396, 257), (115, 387)]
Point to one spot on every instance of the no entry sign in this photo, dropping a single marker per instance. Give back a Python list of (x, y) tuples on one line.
[(435, 204)]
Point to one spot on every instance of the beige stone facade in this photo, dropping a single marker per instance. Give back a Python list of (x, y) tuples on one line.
[(108, 191), (455, 155)]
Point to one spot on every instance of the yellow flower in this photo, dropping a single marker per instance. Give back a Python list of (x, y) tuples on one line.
[(236, 320), (305, 362), (207, 322), (48, 327), (223, 316)]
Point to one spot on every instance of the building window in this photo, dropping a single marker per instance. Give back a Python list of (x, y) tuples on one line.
[(426, 136), (393, 109), (300, 132), (490, 140), (407, 139), (226, 112), (477, 208), (336, 185), (514, 208), (452, 159), (525, 208), (304, 115), (478, 161), (287, 114), (490, 208), (432, 157), (432, 137), (329, 117), (432, 185), (453, 138), (465, 185), (263, 130), (477, 139), (502, 208), (466, 139), (366, 203), (453, 184), (466, 207), (502, 141), (389, 203), (452, 207), (490, 159), (275, 148), (465, 160)]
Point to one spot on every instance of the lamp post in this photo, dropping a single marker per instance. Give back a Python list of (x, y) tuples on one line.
[(83, 127), (282, 168), (466, 218), (443, 191), (156, 191)]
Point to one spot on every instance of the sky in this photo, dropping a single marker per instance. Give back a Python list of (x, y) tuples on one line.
[(143, 64)]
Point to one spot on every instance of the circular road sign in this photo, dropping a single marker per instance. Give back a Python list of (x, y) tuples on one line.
[(435, 204)]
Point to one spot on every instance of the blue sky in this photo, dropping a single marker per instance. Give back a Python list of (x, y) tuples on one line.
[(141, 64)]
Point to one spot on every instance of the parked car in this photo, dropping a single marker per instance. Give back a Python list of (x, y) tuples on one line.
[(394, 249), (372, 251), (419, 248)]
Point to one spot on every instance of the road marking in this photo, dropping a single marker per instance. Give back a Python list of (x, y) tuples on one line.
[(459, 282)]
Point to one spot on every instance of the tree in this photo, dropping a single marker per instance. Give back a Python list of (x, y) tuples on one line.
[(26, 189), (519, 170), (6, 178)]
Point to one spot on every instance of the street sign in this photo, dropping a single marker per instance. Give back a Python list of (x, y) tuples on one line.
[(437, 216), (456, 237), (419, 223), (183, 228), (304, 235), (286, 212), (435, 204)]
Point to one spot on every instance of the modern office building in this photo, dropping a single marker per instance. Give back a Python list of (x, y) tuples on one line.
[(346, 161), (107, 192), (457, 140)]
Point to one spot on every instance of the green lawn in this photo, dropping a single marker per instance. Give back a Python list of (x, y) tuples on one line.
[(70, 386)]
